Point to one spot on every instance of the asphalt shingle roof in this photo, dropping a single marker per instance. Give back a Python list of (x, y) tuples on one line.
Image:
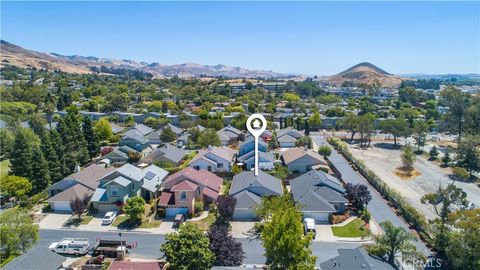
[(248, 181), (247, 200), (353, 259)]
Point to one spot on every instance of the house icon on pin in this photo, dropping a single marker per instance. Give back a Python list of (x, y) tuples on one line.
[(256, 124)]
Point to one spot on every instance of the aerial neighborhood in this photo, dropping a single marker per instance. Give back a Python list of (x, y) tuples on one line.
[(109, 164)]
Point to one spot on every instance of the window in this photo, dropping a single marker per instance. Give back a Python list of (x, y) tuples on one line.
[(220, 165), (196, 167), (198, 191), (133, 185), (114, 190), (209, 168), (183, 196)]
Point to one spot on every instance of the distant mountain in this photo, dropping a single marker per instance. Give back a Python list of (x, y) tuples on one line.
[(365, 73), (15, 55)]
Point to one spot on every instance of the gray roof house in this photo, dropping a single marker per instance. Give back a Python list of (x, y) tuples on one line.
[(79, 184), (125, 182), (154, 137), (354, 259), (166, 153), (38, 257), (318, 194), (230, 132), (249, 190), (287, 137), (301, 159)]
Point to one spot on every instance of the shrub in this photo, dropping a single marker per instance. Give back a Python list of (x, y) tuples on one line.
[(434, 152), (161, 212), (365, 215), (323, 169), (198, 206), (460, 173)]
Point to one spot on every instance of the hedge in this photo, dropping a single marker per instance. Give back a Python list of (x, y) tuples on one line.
[(409, 213)]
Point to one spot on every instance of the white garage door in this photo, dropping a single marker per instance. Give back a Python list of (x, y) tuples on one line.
[(319, 217), (173, 211), (244, 215), (61, 207)]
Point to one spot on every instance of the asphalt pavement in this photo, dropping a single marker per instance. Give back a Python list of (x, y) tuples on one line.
[(378, 207), (148, 244)]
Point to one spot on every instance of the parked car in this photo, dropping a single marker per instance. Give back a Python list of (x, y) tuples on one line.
[(76, 246), (309, 226), (109, 218), (179, 219)]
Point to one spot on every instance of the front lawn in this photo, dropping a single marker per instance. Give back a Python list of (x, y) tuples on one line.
[(74, 221), (123, 222), (356, 228), (205, 223)]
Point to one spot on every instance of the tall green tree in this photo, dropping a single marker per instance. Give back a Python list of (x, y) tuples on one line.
[(393, 242), (21, 157), (188, 249), (286, 246), (168, 135), (40, 173), (15, 186), (56, 142), (90, 137), (468, 153), (75, 146), (17, 232), (208, 137), (457, 103), (103, 130), (420, 130), (50, 154)]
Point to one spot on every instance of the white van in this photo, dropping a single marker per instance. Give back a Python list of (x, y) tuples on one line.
[(76, 246)]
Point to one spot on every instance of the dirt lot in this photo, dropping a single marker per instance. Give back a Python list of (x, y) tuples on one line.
[(383, 160)]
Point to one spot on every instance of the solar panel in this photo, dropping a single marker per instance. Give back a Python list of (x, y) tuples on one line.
[(149, 175)]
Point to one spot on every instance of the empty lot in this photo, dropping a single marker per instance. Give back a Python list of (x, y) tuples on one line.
[(383, 162)]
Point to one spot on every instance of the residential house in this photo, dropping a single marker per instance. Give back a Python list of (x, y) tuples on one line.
[(127, 181), (357, 258), (183, 140), (249, 190), (116, 128), (182, 189), (246, 155), (136, 138), (80, 184), (318, 194), (302, 159), (287, 137), (266, 136), (154, 137), (214, 159), (229, 135), (166, 153), (94, 116)]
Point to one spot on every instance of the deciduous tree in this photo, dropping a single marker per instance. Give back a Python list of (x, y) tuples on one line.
[(79, 205), (188, 249), (134, 208), (226, 205), (228, 252)]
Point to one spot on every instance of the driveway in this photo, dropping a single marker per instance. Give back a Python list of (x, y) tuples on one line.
[(324, 233), (240, 229), (54, 221)]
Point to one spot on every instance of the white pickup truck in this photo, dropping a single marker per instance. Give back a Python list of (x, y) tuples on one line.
[(76, 246)]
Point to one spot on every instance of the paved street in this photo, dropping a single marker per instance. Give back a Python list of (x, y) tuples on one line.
[(378, 207), (149, 244)]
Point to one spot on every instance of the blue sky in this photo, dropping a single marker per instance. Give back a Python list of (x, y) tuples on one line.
[(319, 38)]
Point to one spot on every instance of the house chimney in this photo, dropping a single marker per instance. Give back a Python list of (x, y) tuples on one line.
[(77, 168)]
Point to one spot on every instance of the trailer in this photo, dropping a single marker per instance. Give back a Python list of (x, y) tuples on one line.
[(110, 248)]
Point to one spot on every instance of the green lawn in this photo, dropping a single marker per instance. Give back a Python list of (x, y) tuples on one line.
[(73, 220), (205, 223), (4, 168), (353, 229), (124, 223)]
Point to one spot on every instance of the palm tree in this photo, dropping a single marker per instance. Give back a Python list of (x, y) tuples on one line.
[(394, 241)]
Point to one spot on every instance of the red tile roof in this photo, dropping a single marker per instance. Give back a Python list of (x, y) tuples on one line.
[(165, 198), (199, 177), (184, 186), (126, 265), (210, 193)]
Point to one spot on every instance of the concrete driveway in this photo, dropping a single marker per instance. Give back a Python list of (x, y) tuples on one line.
[(242, 229), (324, 233), (54, 221)]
